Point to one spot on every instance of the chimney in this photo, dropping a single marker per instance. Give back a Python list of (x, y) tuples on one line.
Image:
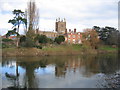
[(75, 30), (69, 30), (65, 31)]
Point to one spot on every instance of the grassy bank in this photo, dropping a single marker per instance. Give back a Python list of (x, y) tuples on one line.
[(107, 49), (55, 50)]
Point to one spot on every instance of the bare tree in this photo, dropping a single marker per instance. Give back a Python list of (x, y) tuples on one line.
[(32, 15), (90, 38), (25, 28)]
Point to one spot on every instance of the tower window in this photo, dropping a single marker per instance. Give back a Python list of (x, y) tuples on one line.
[(62, 25)]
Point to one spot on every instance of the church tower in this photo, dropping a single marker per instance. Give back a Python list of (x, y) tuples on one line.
[(60, 26)]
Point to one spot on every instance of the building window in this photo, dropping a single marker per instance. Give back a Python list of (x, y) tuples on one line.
[(68, 36), (68, 40), (62, 25), (79, 41), (73, 36), (78, 36), (73, 40)]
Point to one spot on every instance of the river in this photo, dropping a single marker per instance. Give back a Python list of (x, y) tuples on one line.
[(85, 71)]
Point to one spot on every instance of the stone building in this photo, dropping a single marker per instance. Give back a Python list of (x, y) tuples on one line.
[(49, 34), (71, 37), (60, 26), (60, 29)]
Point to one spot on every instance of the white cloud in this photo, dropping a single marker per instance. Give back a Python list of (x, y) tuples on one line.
[(79, 14), (6, 7)]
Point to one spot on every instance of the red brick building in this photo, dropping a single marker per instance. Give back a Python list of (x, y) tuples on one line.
[(10, 37), (73, 37)]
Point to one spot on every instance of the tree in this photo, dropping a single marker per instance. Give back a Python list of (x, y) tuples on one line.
[(118, 43), (22, 40), (108, 35), (90, 38), (42, 39), (12, 32), (32, 15), (16, 21), (60, 39)]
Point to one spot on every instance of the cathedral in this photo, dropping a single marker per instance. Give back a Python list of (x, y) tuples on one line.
[(60, 29), (71, 37)]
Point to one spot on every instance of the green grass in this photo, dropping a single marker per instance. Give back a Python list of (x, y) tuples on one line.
[(55, 50), (109, 48), (74, 47)]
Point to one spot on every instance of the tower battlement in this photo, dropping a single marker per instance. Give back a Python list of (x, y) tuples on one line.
[(60, 26)]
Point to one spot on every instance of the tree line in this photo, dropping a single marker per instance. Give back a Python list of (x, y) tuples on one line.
[(97, 36), (30, 20)]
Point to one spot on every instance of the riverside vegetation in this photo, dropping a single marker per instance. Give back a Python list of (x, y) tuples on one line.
[(49, 50), (92, 64), (94, 40)]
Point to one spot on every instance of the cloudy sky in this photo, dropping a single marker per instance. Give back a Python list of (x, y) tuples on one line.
[(79, 14)]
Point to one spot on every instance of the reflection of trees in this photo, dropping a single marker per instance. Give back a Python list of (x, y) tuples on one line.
[(60, 68), (43, 63), (11, 77), (91, 64), (30, 81), (100, 64), (14, 79), (29, 66), (111, 70), (108, 63)]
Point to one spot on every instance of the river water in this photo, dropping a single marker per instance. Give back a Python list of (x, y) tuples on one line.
[(86, 71)]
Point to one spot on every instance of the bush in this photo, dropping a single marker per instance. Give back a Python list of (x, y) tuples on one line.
[(29, 42), (38, 46), (85, 48), (41, 39), (50, 40), (60, 39), (5, 46), (22, 39), (6, 40)]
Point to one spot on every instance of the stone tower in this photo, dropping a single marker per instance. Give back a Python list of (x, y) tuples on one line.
[(60, 26)]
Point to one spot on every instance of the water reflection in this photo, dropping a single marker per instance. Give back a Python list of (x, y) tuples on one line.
[(58, 71)]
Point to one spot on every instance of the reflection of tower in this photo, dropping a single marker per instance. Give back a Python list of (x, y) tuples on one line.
[(60, 71), (60, 26)]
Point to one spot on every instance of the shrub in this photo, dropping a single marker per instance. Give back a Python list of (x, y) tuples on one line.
[(50, 40), (60, 39), (5, 46), (6, 40), (38, 46), (29, 42), (22, 39), (43, 39)]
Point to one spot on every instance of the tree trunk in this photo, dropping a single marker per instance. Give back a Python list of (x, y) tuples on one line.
[(17, 42), (17, 74)]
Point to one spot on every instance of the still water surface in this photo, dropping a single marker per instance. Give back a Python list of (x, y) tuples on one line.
[(87, 71)]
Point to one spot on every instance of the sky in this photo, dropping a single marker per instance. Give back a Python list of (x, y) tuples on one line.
[(79, 14)]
